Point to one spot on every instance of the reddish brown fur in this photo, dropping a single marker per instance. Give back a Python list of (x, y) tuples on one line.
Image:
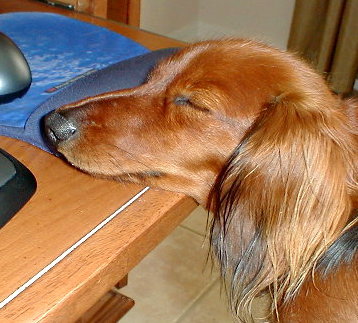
[(321, 300), (255, 134)]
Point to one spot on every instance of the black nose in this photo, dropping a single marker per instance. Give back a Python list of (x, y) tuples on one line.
[(58, 128)]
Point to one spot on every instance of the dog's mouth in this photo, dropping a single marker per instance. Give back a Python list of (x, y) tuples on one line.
[(142, 175), (128, 177)]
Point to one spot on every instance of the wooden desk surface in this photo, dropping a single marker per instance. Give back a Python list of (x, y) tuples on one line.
[(66, 206)]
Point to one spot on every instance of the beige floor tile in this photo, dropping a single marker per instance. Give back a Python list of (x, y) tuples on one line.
[(210, 308), (175, 284), (167, 281), (197, 221)]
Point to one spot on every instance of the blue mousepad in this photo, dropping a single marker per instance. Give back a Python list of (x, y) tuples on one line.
[(69, 60), (58, 49)]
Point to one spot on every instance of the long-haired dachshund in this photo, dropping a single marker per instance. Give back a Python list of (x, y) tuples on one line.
[(256, 135)]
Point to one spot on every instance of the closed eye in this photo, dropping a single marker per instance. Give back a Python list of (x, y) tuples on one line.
[(182, 100), (185, 101)]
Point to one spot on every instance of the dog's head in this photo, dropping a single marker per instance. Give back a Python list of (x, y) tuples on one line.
[(252, 128), (177, 130)]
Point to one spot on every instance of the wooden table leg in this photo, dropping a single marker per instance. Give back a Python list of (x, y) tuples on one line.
[(110, 307)]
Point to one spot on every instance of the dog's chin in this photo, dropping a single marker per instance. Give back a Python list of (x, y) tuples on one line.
[(125, 176), (152, 178)]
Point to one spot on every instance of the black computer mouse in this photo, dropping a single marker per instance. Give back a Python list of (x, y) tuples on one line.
[(15, 74), (17, 185)]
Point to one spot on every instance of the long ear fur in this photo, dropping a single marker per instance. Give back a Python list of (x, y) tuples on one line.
[(283, 198)]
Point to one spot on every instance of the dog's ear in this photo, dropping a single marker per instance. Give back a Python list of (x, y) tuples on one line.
[(282, 198)]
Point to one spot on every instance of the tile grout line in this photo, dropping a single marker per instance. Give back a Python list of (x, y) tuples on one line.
[(193, 231), (196, 300)]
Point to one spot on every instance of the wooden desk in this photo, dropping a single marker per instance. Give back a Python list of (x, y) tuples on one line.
[(66, 206)]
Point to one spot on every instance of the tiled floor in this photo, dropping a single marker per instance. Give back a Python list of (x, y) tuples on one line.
[(174, 283)]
